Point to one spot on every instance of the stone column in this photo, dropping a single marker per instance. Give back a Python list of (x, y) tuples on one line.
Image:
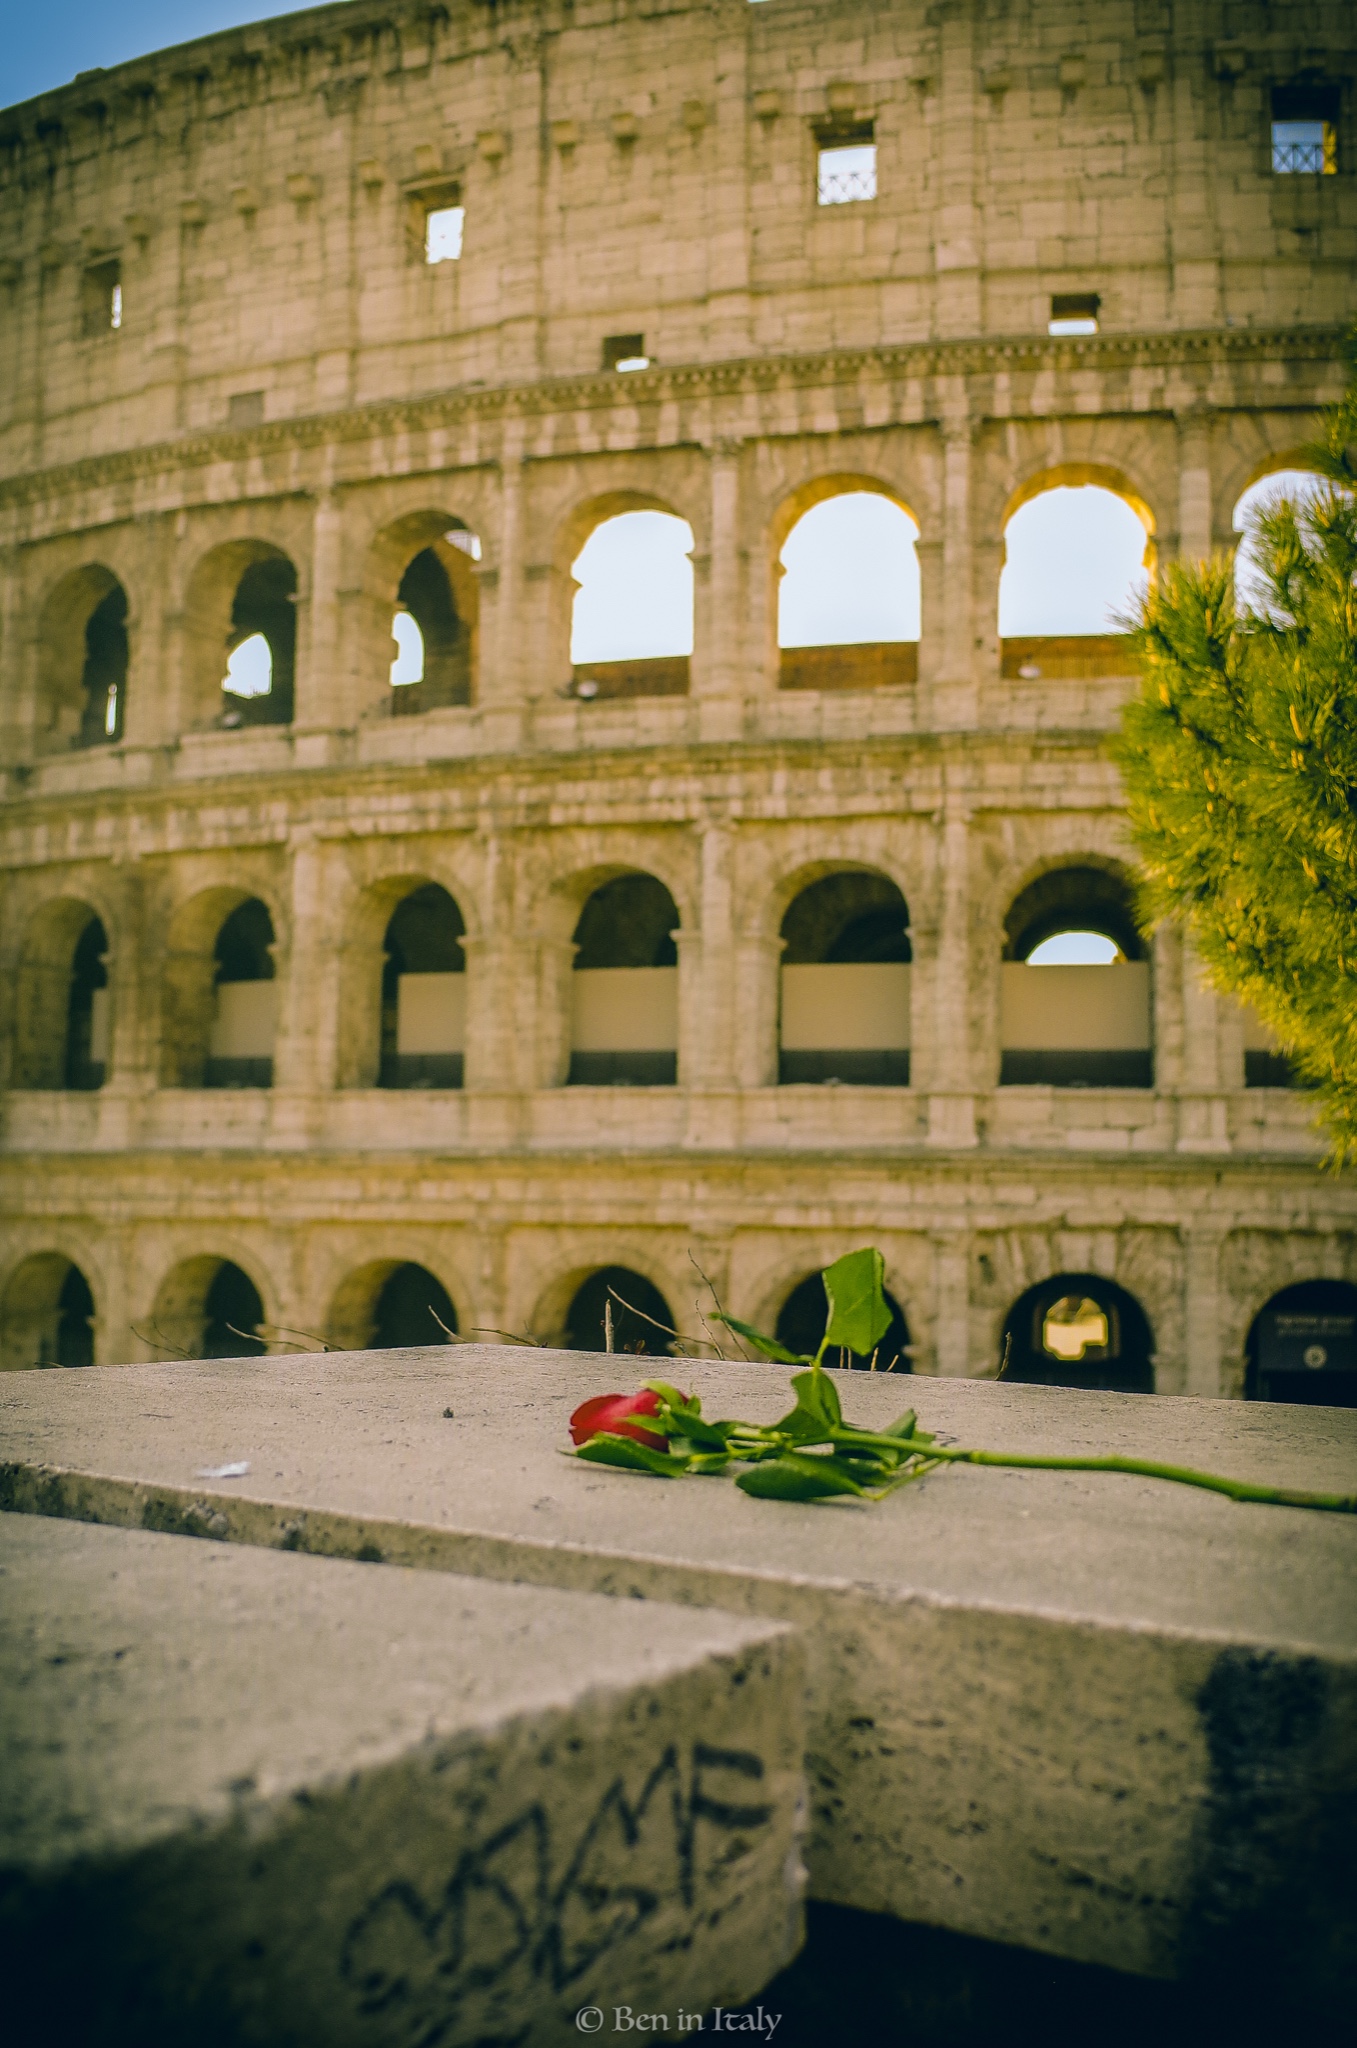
[(505, 659), (1195, 530), (952, 1321), (954, 663), (706, 974), (318, 705), (1203, 1123), (305, 1054), (17, 664), (718, 640), (948, 1076), (757, 965), (1202, 1318)]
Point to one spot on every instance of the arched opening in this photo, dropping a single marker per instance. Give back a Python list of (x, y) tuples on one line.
[(624, 1009), (409, 1310), (1302, 1348), (631, 629), (639, 1315), (424, 992), (1075, 1006), (47, 1315), (848, 598), (845, 983), (1076, 559), (83, 655), (432, 634), (801, 1325), (245, 1011), (208, 1308), (62, 1017), (1079, 1330), (1299, 487), (257, 688), (389, 1305)]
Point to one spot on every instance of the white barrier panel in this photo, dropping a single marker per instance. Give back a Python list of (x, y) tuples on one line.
[(245, 1020), (625, 1009), (851, 1007), (430, 1013), (1075, 1009)]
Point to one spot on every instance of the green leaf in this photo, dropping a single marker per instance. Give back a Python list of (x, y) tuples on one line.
[(858, 1315), (710, 1435), (795, 1476), (672, 1397), (768, 1345), (903, 1425), (631, 1456), (709, 1461), (818, 1395)]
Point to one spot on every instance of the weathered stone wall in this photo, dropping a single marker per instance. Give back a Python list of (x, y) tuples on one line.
[(627, 171)]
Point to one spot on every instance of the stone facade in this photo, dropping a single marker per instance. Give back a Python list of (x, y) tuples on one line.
[(289, 381)]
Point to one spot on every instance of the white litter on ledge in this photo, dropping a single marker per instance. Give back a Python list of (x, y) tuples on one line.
[(237, 1471)]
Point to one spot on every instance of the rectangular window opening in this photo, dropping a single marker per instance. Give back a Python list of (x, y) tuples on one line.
[(245, 409), (625, 352), (1304, 131), (846, 166), (101, 298), (1074, 313), (443, 230)]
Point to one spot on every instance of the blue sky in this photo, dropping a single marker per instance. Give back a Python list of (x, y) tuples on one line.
[(46, 45)]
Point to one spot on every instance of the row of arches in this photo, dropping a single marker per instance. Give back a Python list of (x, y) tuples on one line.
[(1071, 1329), (846, 575), (1075, 992)]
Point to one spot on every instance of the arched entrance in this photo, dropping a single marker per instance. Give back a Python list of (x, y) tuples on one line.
[(1079, 1330), (1302, 1347)]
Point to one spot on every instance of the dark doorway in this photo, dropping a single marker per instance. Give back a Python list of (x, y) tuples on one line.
[(586, 1322), (1303, 1347), (409, 1309), (87, 1017), (1079, 1330), (230, 1307)]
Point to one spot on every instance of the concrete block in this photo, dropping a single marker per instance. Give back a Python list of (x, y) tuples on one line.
[(1041, 1702), (248, 1797)]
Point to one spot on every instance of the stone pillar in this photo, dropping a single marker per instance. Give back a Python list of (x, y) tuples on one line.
[(1202, 1318), (706, 974), (305, 1053), (1195, 528), (948, 1076), (505, 649), (952, 1321), (954, 663), (318, 690), (933, 612), (16, 664), (718, 641)]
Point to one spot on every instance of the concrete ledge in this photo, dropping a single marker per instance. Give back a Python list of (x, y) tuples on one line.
[(1096, 1715), (249, 1797)]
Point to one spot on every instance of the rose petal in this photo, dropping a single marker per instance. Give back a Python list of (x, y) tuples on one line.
[(612, 1413)]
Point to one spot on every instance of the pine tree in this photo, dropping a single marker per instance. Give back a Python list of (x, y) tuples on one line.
[(1239, 756)]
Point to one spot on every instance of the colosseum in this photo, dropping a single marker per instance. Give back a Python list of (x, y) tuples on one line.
[(380, 951)]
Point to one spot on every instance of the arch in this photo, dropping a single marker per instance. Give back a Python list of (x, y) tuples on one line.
[(242, 591), (219, 1005), (1302, 1346), (848, 593), (1079, 1330), (47, 1314), (62, 1014), (845, 982), (1293, 480), (631, 598), (425, 567), (390, 1304), (593, 1302), (624, 989), (1076, 1018), (202, 1305), (1079, 540), (801, 1325), (82, 660), (423, 1015)]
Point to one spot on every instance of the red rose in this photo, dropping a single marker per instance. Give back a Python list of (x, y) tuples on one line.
[(610, 1413)]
